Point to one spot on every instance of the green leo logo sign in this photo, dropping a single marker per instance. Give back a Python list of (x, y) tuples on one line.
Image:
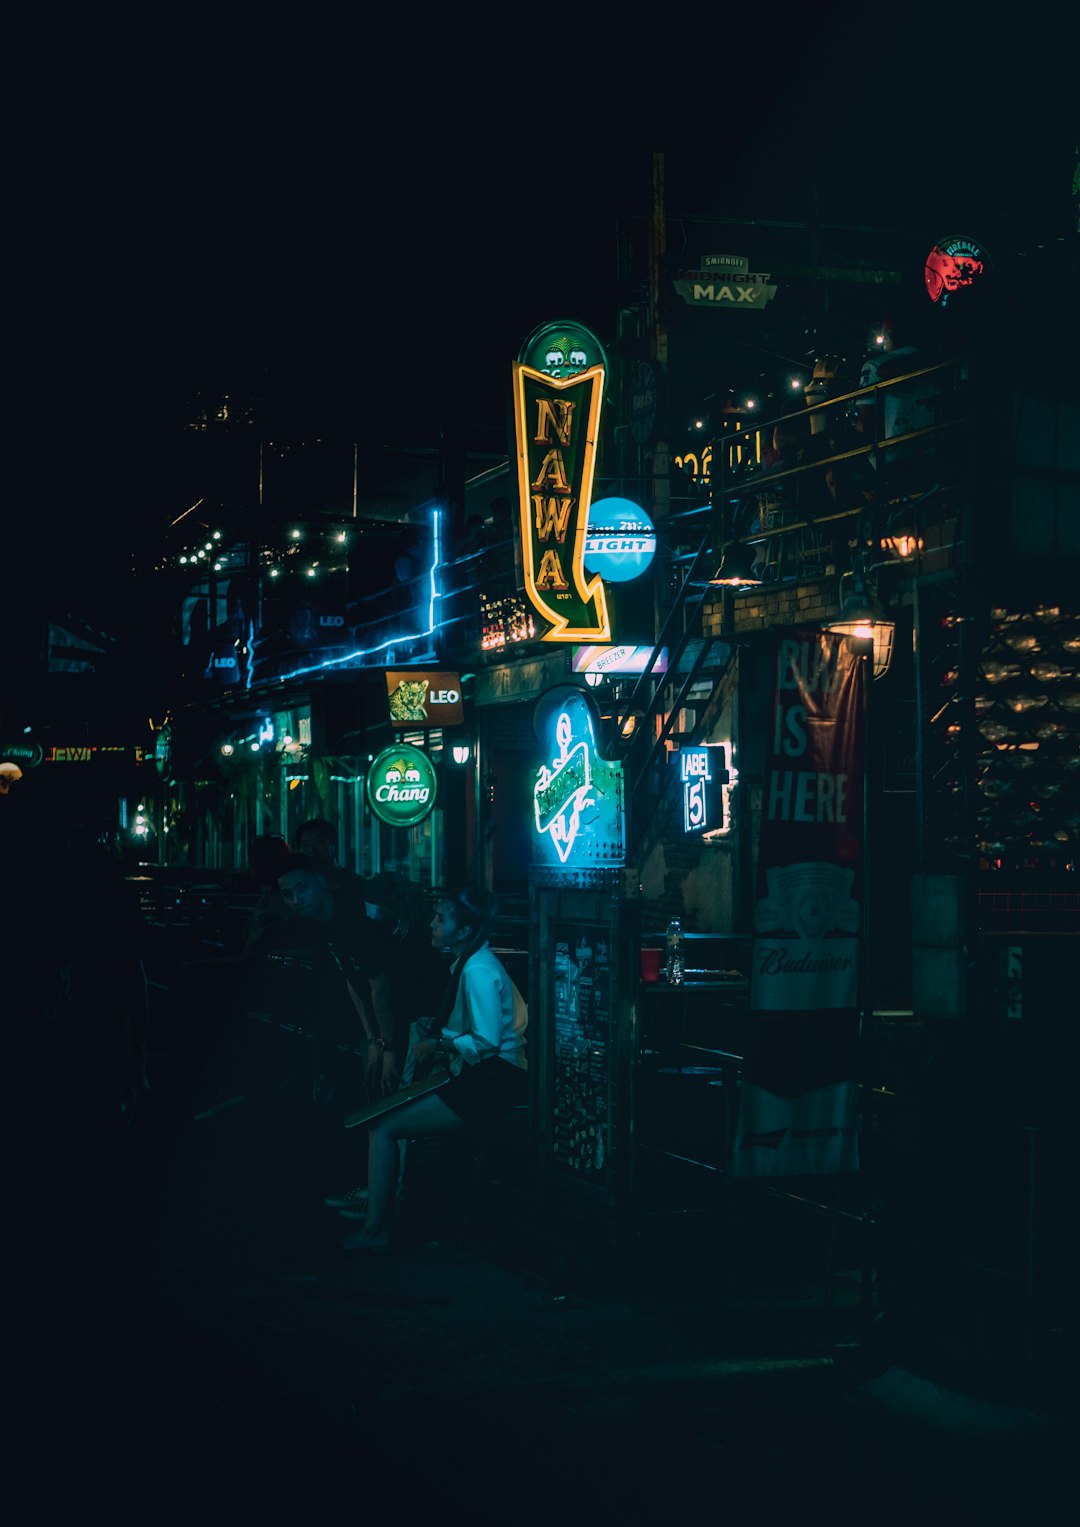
[(401, 786)]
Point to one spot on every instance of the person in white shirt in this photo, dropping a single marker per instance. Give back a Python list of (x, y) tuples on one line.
[(479, 1033)]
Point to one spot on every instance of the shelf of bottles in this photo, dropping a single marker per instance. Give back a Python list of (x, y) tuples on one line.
[(1027, 720), (504, 621)]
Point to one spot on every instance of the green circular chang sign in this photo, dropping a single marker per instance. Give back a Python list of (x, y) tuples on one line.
[(401, 785), (562, 349)]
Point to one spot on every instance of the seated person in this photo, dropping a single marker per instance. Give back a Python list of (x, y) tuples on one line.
[(217, 984), (268, 854), (479, 1032), (351, 996), (317, 839), (417, 979)]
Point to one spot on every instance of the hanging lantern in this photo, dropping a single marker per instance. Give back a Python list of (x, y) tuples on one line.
[(736, 568), (865, 621)]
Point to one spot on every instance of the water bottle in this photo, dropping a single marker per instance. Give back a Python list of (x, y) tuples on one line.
[(675, 961)]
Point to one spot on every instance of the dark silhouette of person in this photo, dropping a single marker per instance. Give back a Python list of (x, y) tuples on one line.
[(479, 1032)]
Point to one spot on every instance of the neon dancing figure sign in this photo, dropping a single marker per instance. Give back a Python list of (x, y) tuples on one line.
[(562, 792), (578, 795)]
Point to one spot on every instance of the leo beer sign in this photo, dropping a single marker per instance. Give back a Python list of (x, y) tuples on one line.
[(422, 697)]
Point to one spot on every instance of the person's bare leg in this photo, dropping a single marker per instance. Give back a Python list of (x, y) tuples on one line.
[(382, 1171), (427, 1116)]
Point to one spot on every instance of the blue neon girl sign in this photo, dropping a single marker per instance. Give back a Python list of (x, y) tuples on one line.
[(578, 795)]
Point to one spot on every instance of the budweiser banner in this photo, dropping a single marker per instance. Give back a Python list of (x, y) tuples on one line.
[(798, 1099)]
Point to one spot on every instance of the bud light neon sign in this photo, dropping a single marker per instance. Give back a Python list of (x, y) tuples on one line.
[(620, 541)]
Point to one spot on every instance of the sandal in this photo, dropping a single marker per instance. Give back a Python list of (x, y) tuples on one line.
[(359, 1240)]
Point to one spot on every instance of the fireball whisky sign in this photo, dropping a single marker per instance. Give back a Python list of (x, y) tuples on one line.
[(558, 395)]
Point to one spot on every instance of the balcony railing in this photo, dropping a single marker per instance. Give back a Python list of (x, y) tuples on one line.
[(885, 464), (881, 465), (878, 472)]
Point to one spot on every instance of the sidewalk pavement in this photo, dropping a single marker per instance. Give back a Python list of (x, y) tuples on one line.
[(258, 1373)]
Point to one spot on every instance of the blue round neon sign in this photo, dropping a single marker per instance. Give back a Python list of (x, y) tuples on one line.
[(620, 541)]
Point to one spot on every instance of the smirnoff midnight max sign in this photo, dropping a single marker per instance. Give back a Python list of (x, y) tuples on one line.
[(725, 281)]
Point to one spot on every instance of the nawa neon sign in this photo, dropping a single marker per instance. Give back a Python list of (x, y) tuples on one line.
[(578, 796), (558, 394)]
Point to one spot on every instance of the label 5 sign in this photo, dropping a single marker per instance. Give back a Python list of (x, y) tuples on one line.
[(705, 775)]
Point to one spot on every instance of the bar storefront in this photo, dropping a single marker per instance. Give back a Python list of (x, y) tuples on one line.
[(628, 1069), (687, 1025), (248, 768)]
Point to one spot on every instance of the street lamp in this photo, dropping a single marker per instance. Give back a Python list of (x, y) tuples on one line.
[(865, 621), (736, 568)]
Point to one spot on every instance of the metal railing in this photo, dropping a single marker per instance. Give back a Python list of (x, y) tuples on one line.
[(743, 507)]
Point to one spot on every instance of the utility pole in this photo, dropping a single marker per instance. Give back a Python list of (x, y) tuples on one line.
[(659, 456)]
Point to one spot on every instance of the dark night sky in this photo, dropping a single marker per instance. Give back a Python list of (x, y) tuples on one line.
[(244, 199)]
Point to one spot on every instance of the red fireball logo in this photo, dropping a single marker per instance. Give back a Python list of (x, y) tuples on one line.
[(951, 265)]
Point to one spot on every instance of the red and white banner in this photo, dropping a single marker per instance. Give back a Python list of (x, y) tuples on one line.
[(797, 1104)]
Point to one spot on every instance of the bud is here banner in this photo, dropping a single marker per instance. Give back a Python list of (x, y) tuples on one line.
[(797, 1104)]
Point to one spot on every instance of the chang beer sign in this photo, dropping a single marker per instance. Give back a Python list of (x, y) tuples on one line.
[(558, 394), (401, 786), (26, 754)]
